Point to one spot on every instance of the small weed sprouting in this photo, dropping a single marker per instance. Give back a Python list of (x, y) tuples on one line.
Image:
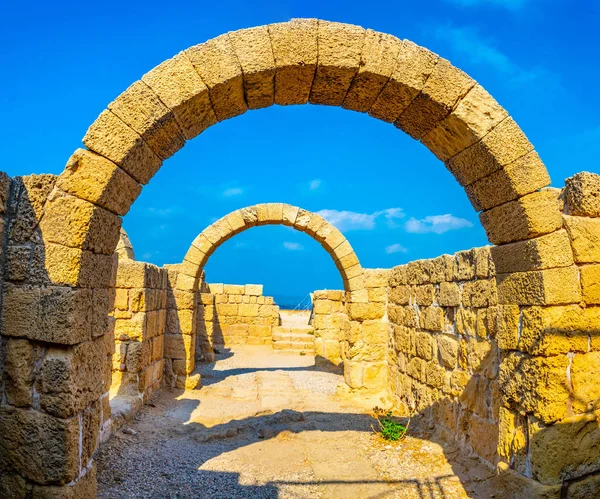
[(389, 427)]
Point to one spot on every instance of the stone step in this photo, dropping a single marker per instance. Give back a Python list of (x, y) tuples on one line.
[(293, 329), (288, 336), (295, 346)]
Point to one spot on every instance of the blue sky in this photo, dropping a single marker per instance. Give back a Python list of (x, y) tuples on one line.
[(63, 63)]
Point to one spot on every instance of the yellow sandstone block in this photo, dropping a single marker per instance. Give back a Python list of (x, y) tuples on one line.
[(474, 116), (295, 52), (548, 251), (530, 216), (218, 66), (443, 88), (141, 109), (180, 88), (253, 49), (378, 61), (590, 282), (585, 238), (413, 68), (340, 47), (540, 287)]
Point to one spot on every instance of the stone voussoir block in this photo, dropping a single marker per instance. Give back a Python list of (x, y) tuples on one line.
[(413, 68), (295, 53), (547, 251), (378, 61), (527, 217), (220, 70), (180, 88), (442, 90), (142, 110), (340, 46), (470, 120), (253, 49), (93, 178)]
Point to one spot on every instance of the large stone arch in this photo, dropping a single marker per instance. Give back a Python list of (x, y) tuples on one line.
[(295, 62), (332, 240), (302, 61)]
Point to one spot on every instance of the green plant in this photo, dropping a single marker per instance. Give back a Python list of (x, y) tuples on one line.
[(389, 426)]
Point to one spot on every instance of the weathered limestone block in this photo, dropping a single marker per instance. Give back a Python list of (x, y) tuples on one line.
[(501, 146), (432, 319), (13, 486), (378, 61), (424, 294), (582, 195), (523, 176), (484, 438), (340, 47), (40, 447), (585, 238), (425, 345), (295, 52), (18, 372), (217, 64), (565, 450), (253, 49), (530, 216), (181, 89), (540, 287), (419, 272), (586, 394), (29, 197), (74, 267), (590, 282), (400, 295), (478, 294), (141, 109), (113, 139), (49, 314), (18, 262), (535, 384), (93, 178), (474, 116), (548, 251), (68, 380), (85, 486), (179, 346), (413, 68), (444, 87), (233, 289), (218, 232), (449, 294), (366, 311), (464, 266), (448, 351), (76, 223)]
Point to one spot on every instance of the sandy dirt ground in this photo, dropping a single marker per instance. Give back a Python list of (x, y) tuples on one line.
[(270, 425)]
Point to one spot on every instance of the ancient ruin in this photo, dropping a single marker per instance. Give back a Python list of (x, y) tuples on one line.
[(499, 346)]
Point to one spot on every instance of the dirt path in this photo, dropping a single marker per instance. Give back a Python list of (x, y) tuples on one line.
[(270, 425)]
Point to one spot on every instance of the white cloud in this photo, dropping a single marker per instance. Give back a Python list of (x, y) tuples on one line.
[(293, 246), (507, 4), (395, 248), (314, 184), (467, 42), (163, 212), (351, 220), (233, 191), (438, 224)]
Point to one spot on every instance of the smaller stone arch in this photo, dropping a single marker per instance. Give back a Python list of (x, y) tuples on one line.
[(332, 240)]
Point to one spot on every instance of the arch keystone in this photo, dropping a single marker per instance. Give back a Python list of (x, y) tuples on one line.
[(340, 47), (253, 49), (295, 52)]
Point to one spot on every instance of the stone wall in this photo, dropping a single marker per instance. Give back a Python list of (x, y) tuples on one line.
[(331, 325), (231, 314), (140, 313), (364, 349), (443, 355)]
